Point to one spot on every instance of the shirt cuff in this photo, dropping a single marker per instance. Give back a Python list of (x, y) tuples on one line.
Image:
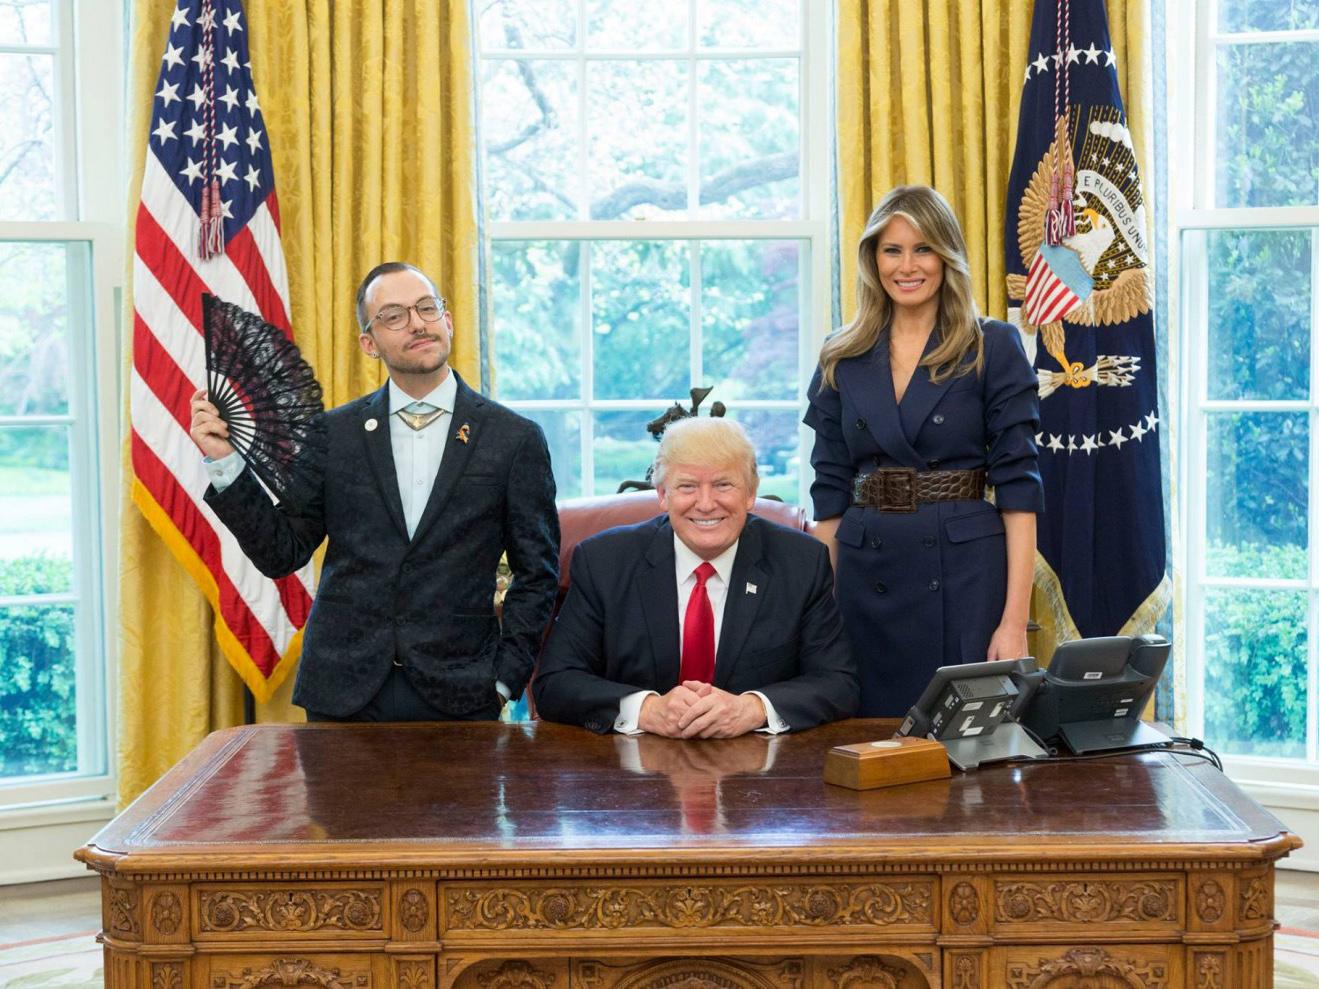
[(774, 725), (629, 712), (225, 471)]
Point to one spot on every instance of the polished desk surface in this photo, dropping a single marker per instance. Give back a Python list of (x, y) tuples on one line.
[(432, 795)]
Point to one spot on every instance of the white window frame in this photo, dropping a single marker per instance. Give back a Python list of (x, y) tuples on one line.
[(1288, 786), (89, 156), (812, 231)]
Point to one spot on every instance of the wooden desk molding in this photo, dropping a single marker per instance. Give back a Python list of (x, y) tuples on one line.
[(537, 856)]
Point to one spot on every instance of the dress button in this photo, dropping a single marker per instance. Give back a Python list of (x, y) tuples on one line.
[(929, 542), (932, 464), (937, 419), (879, 587), (934, 585), (876, 542), (860, 424)]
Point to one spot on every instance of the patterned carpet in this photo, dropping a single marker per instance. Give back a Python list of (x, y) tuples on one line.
[(74, 962)]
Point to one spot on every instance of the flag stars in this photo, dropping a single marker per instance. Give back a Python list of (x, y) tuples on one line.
[(207, 20), (1151, 421), (1138, 432), (1116, 438), (252, 178), (173, 55), (164, 132), (225, 171), (1041, 63), (230, 60), (228, 136), (233, 22), (202, 58), (1073, 55), (1088, 445), (1057, 58), (1111, 58), (224, 209), (1055, 443), (1091, 54), (253, 141), (1071, 444), (230, 97), (169, 92), (197, 131), (179, 18), (192, 171), (197, 96), (253, 107)]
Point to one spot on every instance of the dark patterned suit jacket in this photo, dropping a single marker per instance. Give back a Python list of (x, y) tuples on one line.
[(617, 632), (427, 600)]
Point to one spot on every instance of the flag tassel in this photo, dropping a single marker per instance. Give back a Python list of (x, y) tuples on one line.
[(210, 240)]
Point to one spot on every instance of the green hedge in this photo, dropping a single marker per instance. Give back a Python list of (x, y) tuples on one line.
[(38, 711), (1255, 654)]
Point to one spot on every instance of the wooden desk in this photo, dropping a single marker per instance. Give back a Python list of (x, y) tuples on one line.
[(485, 856)]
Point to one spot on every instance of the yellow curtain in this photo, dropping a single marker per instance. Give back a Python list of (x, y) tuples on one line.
[(929, 92), (368, 108)]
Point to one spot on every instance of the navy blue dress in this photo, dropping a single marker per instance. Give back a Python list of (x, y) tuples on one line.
[(925, 589)]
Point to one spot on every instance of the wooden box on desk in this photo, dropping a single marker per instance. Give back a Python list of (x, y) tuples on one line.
[(891, 762)]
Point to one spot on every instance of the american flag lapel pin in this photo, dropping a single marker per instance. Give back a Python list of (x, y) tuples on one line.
[(464, 433), (751, 588)]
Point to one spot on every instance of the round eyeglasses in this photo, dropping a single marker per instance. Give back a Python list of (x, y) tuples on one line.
[(429, 310)]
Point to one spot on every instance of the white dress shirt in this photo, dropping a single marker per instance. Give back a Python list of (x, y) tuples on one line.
[(716, 589), (418, 452)]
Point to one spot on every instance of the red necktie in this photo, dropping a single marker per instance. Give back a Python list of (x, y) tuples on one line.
[(698, 630)]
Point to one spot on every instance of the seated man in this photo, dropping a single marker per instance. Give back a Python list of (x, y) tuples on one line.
[(751, 602)]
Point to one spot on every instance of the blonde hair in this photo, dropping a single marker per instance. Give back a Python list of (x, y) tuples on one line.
[(705, 441), (958, 331)]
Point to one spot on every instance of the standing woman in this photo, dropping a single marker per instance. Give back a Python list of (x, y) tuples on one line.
[(917, 405)]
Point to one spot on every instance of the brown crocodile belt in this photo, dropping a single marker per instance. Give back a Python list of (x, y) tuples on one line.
[(901, 489)]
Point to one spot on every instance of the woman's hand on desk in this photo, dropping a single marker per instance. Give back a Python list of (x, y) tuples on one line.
[(1008, 642)]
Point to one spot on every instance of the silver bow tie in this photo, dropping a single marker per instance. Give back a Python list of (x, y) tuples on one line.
[(419, 415)]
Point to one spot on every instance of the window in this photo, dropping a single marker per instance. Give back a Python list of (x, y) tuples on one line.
[(57, 401), (656, 185), (1249, 267)]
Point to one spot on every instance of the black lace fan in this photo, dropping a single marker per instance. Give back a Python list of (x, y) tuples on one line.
[(267, 394)]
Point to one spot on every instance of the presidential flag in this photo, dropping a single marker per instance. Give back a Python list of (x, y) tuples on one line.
[(1079, 290), (208, 221)]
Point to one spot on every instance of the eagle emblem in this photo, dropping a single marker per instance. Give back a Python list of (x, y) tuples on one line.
[(1097, 276)]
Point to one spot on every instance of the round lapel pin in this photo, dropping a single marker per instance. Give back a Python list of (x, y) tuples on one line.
[(370, 425)]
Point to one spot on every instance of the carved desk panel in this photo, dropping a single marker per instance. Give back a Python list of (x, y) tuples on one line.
[(486, 856)]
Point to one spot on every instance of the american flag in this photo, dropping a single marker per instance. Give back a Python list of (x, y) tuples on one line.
[(207, 158)]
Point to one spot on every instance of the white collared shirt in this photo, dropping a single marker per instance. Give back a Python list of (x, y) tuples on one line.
[(418, 452), (685, 562)]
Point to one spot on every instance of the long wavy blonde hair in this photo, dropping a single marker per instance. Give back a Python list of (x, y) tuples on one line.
[(958, 331)]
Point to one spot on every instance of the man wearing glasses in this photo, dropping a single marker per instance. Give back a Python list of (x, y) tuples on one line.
[(423, 484)]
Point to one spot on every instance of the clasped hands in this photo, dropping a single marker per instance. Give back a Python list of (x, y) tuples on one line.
[(694, 709)]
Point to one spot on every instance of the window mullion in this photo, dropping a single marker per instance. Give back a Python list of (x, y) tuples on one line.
[(1312, 612), (586, 250)]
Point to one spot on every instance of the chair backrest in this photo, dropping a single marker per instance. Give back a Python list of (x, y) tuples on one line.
[(583, 517)]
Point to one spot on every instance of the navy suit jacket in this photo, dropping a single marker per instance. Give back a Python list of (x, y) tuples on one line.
[(427, 601), (617, 632)]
